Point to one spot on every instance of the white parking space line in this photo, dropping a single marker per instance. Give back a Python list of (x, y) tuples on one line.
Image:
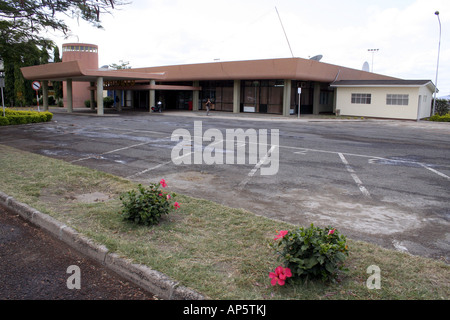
[(435, 171), (372, 159), (157, 166), (244, 182), (142, 131), (149, 169), (111, 151), (115, 150), (354, 176)]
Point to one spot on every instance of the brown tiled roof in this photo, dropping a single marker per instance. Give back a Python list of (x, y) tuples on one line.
[(287, 68), (397, 82)]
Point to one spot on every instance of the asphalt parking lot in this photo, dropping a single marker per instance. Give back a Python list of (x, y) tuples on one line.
[(385, 182)]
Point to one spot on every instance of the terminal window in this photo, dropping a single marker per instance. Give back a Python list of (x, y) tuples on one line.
[(361, 98), (397, 99)]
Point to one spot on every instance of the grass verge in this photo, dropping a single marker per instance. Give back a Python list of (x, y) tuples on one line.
[(218, 251)]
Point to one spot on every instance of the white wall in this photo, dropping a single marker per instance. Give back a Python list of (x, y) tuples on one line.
[(378, 107), (426, 96)]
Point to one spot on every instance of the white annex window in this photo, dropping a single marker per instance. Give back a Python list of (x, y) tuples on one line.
[(397, 99), (361, 98)]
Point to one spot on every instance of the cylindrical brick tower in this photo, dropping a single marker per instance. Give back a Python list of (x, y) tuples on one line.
[(87, 54)]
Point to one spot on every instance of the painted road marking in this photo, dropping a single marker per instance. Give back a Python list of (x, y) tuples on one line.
[(354, 176), (435, 171), (372, 159), (111, 151), (250, 175), (157, 166)]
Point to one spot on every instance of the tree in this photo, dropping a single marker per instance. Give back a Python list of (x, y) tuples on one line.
[(122, 65), (22, 21), (18, 89), (57, 85), (442, 106), (21, 44)]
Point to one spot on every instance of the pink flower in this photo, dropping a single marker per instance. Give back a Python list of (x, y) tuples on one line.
[(280, 275), (176, 205), (163, 183), (331, 231), (168, 197), (281, 234)]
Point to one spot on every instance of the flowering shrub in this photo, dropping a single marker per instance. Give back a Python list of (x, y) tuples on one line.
[(146, 205), (312, 252)]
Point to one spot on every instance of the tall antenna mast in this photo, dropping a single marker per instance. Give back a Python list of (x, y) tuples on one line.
[(284, 32)]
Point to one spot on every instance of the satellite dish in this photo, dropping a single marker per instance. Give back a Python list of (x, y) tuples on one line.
[(366, 67), (317, 58)]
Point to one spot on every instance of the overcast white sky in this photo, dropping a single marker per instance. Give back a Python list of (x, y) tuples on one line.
[(164, 32)]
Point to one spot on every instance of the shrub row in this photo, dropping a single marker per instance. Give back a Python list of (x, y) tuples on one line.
[(13, 117), (444, 118)]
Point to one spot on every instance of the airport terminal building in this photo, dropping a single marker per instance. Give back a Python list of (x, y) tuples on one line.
[(271, 86)]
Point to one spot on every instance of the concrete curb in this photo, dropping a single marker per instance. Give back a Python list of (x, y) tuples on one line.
[(153, 281)]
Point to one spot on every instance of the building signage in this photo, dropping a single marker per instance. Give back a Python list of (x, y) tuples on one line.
[(119, 83)]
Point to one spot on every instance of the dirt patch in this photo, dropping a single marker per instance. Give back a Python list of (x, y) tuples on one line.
[(92, 197), (61, 199)]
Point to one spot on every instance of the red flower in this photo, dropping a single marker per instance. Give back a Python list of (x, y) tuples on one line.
[(176, 205), (163, 183), (331, 231), (280, 275), (281, 234)]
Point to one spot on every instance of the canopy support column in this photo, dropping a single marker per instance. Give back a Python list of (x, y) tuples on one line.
[(45, 95), (152, 96), (92, 104), (237, 96), (100, 96), (195, 96), (69, 97), (287, 98)]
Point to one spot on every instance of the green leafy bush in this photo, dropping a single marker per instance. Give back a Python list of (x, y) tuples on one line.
[(312, 252), (107, 103), (146, 205), (4, 121), (87, 103), (438, 118), (14, 117)]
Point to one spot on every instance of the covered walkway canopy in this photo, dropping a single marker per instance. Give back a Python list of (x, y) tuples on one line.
[(74, 71)]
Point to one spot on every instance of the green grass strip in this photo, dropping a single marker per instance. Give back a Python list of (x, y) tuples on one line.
[(218, 251)]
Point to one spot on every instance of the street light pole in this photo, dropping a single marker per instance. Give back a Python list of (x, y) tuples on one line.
[(373, 52), (437, 67)]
